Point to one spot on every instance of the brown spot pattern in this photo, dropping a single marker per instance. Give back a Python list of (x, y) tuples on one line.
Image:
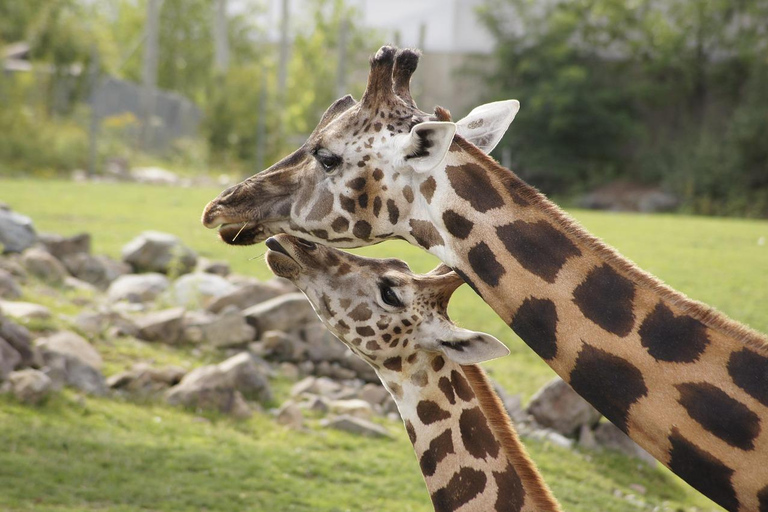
[(511, 497), (439, 448), (362, 230), (471, 182), (538, 247), (476, 434), (484, 264), (430, 412), (461, 386), (322, 206), (427, 189), (457, 225), (444, 384), (393, 363), (677, 339), (605, 297), (462, 488), (425, 233)]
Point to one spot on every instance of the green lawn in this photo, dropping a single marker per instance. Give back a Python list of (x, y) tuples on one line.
[(95, 454)]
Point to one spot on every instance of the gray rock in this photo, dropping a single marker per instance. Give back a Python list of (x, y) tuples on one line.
[(20, 339), (197, 290), (550, 436), (44, 266), (290, 371), (324, 346), (153, 251), (60, 246), (17, 232), (228, 330), (587, 437), (222, 387), (11, 263), (30, 386), (284, 313), (24, 311), (154, 176), (362, 369), (138, 287), (9, 288), (71, 360), (77, 285), (290, 415), (352, 407), (559, 407), (219, 268), (164, 326), (334, 371), (99, 322), (280, 346), (247, 295), (145, 380), (356, 426), (100, 271), (10, 359), (610, 436), (374, 394)]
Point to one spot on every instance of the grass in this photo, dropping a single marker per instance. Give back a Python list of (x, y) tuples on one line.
[(78, 454)]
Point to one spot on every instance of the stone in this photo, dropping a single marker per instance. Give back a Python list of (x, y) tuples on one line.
[(100, 271), (290, 415), (221, 387), (559, 407), (17, 232), (228, 330), (324, 346), (550, 436), (318, 404), (197, 290), (71, 360), (138, 288), (247, 295), (280, 346), (9, 288), (283, 313), (10, 359), (11, 263), (219, 268), (352, 407), (30, 386), (44, 266), (153, 251), (61, 246), (334, 371), (587, 437), (154, 176), (99, 322), (374, 394), (145, 380), (20, 339), (356, 426), (164, 326), (361, 369), (289, 370), (24, 311), (610, 436), (77, 285)]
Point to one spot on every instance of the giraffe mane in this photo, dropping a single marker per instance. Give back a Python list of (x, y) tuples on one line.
[(707, 315), (501, 425)]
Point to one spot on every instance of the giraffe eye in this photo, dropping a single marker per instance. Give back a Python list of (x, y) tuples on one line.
[(389, 296), (328, 160)]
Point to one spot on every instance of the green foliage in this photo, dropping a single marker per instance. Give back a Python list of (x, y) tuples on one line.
[(661, 91)]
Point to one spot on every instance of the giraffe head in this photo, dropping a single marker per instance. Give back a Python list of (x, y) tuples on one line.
[(352, 182), (392, 318)]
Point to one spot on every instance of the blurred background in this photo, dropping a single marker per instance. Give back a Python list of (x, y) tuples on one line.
[(644, 105)]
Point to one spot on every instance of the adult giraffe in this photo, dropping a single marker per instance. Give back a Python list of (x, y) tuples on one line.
[(397, 321), (685, 382)]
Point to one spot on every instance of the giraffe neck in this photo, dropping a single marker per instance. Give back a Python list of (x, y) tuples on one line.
[(686, 383), (469, 454)]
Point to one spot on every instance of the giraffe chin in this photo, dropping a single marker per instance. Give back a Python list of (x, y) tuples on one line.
[(282, 264), (242, 233)]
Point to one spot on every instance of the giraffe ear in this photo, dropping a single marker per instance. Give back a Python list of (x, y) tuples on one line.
[(469, 347), (486, 125), (427, 144)]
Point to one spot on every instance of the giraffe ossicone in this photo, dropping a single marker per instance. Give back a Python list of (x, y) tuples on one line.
[(645, 355), (396, 321)]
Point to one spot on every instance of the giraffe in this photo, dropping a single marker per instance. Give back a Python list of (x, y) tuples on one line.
[(396, 321), (684, 381)]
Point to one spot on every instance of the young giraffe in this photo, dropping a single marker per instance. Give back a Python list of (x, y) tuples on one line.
[(684, 381), (396, 321)]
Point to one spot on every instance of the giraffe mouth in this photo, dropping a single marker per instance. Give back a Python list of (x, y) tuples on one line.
[(280, 260), (243, 233)]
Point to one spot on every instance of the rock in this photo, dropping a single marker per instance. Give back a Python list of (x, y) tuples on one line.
[(71, 360), (630, 197), (153, 251), (221, 387), (361, 369), (247, 295), (587, 437), (145, 380), (154, 176), (98, 323), (374, 394), (138, 287), (334, 371), (318, 404), (219, 268), (11, 263), (76, 285), (197, 290), (324, 346), (60, 246), (229, 330), (322, 386), (30, 386), (290, 415), (282, 313), (16, 232), (20, 339), (290, 371), (280, 346), (550, 436), (559, 407), (240, 408), (610, 436), (100, 271), (164, 326), (24, 311), (9, 288), (10, 359), (356, 426), (352, 407), (44, 266)]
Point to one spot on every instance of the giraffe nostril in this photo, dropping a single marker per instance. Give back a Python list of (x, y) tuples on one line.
[(306, 244)]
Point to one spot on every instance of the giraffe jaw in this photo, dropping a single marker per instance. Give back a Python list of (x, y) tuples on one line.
[(243, 233), (280, 260)]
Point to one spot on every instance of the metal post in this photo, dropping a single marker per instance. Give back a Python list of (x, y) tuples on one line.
[(149, 69)]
